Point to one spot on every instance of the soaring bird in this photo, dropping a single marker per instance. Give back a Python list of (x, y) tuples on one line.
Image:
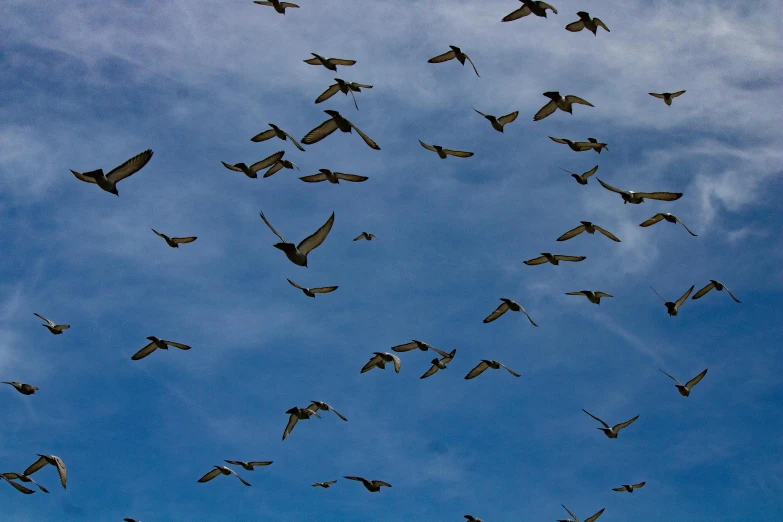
[(110, 180), (505, 306), (332, 124), (380, 359), (175, 242), (717, 285), (319, 405), (56, 329), (588, 227), (296, 414), (297, 254), (611, 432), (671, 218), (324, 485), (275, 131), (592, 24), (457, 53), (24, 389), (578, 146), (252, 170), (564, 103), (582, 178), (446, 152), (667, 96), (685, 389), (43, 460), (635, 198), (222, 470), (333, 177), (329, 63), (673, 307), (439, 364), (280, 164), (576, 519), (249, 465), (629, 487), (372, 485), (310, 292), (24, 478), (156, 343), (488, 363), (420, 345), (499, 123), (343, 87), (365, 235), (538, 8), (555, 259), (593, 297), (279, 6)]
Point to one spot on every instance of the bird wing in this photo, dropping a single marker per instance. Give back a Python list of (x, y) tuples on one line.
[(314, 178), (528, 316), (500, 310), (599, 23), (336, 412), (576, 99), (607, 233), (545, 6), (88, 179), (659, 295), (259, 463), (328, 93), (323, 289), (296, 143), (294, 284), (670, 377), (141, 354), (51, 323), (61, 470), (576, 293), (536, 261), (240, 478), (596, 418), (508, 118), (662, 196), (158, 233), (372, 363), (210, 475), (130, 167), (661, 96), (397, 362), (268, 161), (695, 380), (653, 220), (236, 462), (512, 372), (458, 153), (351, 177), (675, 94), (357, 238), (448, 55), (267, 134), (434, 368), (621, 488), (545, 111), (177, 345), (320, 132), (313, 61), (516, 15), (684, 225), (272, 228), (312, 241), (559, 140), (602, 294), (20, 487), (478, 370), (732, 295), (572, 233), (292, 420), (704, 290), (184, 240), (618, 427), (682, 299), (569, 512), (573, 259), (428, 147), (481, 113), (275, 168), (639, 485), (594, 517), (35, 466), (341, 61), (439, 352), (365, 137), (609, 187), (378, 483), (575, 27), (262, 2), (231, 167), (405, 347), (474, 65)]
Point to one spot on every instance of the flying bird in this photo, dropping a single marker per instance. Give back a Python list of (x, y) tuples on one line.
[(594, 144), (329, 63), (337, 121), (343, 87), (671, 218), (24, 389), (576, 519), (24, 478), (582, 178), (611, 432), (279, 6), (380, 359), (318, 405), (636, 198), (56, 329), (298, 254), (471, 518), (592, 24), (252, 170), (156, 343), (555, 259), (174, 242), (222, 470), (457, 53), (43, 460), (420, 345), (372, 485), (717, 285), (297, 414), (333, 177), (593, 297), (673, 307), (446, 152), (19, 487), (324, 485), (280, 164), (559, 102), (578, 146), (487, 363), (365, 235), (629, 487), (667, 96), (249, 465), (685, 389), (110, 180), (538, 8), (439, 364), (310, 292), (588, 227), (505, 306), (499, 123), (275, 131)]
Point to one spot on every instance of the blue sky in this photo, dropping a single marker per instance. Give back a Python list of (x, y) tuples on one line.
[(88, 85)]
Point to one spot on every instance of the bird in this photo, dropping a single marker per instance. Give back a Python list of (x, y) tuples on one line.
[(667, 96), (685, 389), (329, 63), (611, 432), (174, 242), (249, 465), (629, 487), (499, 123), (24, 478), (318, 405), (19, 487), (636, 198), (365, 235), (56, 329), (671, 218), (582, 178), (275, 131), (593, 297), (337, 121), (673, 307), (372, 485), (590, 228), (279, 6), (564, 103), (487, 363), (538, 8), (380, 359), (130, 520), (156, 343), (504, 306), (420, 345), (333, 177), (110, 180), (555, 259), (446, 152), (594, 144), (457, 53), (576, 146), (252, 170), (575, 519), (24, 389), (324, 485), (439, 364), (310, 292), (280, 164), (298, 254), (343, 87), (43, 460), (222, 470), (297, 414), (585, 21), (717, 285)]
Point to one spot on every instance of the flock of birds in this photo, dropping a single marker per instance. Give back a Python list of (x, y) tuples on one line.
[(298, 253)]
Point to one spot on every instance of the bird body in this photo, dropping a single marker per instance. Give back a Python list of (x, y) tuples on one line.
[(365, 235), (582, 178), (24, 389)]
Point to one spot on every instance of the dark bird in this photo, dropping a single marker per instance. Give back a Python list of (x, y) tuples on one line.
[(380, 359), (252, 170), (329, 63), (324, 485), (593, 297), (717, 285), (43, 460), (439, 364), (505, 306), (629, 487), (295, 415), (559, 102), (538, 8), (297, 254), (673, 307), (592, 24), (499, 123), (248, 465), (446, 152), (420, 345), (175, 242), (365, 235), (156, 343), (343, 87), (635, 198), (24, 389), (222, 470), (582, 178), (372, 485), (310, 292), (275, 132), (19, 487), (319, 405), (667, 96), (457, 53), (56, 329), (580, 146), (332, 124), (279, 6), (685, 389), (487, 363), (110, 180), (611, 432), (555, 259), (588, 227), (333, 177), (671, 218)]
